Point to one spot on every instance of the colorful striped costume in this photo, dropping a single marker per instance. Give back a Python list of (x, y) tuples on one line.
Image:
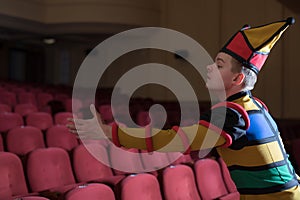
[(254, 155), (260, 165)]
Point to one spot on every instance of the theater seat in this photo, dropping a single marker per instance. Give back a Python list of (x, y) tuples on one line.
[(88, 168), (43, 98), (10, 120), (154, 161), (50, 168), (25, 109), (27, 98), (8, 98), (210, 181), (59, 136), (125, 161), (179, 183), (73, 105), (140, 186), (41, 120), (91, 192), (24, 139), (12, 179), (61, 118), (5, 108)]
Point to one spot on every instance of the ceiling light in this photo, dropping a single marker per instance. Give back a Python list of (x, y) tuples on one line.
[(49, 40)]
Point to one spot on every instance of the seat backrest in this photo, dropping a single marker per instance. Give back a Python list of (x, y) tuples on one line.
[(61, 118), (9, 98), (25, 109), (106, 113), (12, 179), (10, 120), (180, 158), (125, 161), (73, 105), (154, 160), (60, 136), (27, 98), (43, 98), (4, 108), (91, 192), (140, 186), (49, 168), (230, 185), (41, 120), (179, 183), (209, 179), (24, 139), (87, 167)]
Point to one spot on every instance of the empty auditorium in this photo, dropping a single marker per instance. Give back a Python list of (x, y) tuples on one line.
[(149, 100)]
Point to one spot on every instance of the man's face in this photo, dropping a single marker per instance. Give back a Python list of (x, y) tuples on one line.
[(219, 74)]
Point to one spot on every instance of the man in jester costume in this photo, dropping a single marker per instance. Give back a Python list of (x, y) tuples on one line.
[(248, 141)]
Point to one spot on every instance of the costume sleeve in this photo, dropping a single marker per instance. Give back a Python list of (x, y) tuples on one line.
[(207, 134), (235, 124)]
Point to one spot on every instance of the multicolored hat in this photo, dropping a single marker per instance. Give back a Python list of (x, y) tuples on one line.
[(251, 46)]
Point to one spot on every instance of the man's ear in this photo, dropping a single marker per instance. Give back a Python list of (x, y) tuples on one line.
[(238, 80)]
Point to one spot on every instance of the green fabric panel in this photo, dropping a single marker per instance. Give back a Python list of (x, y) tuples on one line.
[(261, 179)]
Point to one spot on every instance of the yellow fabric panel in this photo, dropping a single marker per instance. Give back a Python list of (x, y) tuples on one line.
[(246, 103), (269, 46), (290, 194), (169, 141), (204, 139), (264, 154), (260, 35)]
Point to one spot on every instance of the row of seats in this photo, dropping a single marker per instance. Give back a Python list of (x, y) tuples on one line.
[(55, 174), (41, 120), (22, 140)]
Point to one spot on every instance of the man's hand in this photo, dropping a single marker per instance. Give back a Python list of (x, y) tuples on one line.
[(90, 128)]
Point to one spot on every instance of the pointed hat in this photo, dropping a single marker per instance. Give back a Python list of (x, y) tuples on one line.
[(251, 46)]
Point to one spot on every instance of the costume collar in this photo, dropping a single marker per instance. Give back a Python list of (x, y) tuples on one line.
[(238, 95)]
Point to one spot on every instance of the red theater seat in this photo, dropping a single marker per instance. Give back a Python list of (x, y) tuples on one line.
[(24, 139), (12, 179), (61, 118), (41, 120), (4, 108), (60, 136), (25, 109), (140, 186), (125, 161), (9, 121), (210, 181), (49, 172), (27, 98), (8, 98), (179, 183), (91, 192), (93, 167)]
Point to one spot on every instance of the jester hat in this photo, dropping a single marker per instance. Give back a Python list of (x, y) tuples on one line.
[(251, 46)]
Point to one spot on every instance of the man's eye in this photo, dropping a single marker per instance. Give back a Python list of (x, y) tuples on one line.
[(219, 67)]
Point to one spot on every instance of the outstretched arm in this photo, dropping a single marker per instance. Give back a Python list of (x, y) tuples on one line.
[(204, 135)]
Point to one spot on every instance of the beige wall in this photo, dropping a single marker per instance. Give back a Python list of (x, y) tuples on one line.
[(210, 22)]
